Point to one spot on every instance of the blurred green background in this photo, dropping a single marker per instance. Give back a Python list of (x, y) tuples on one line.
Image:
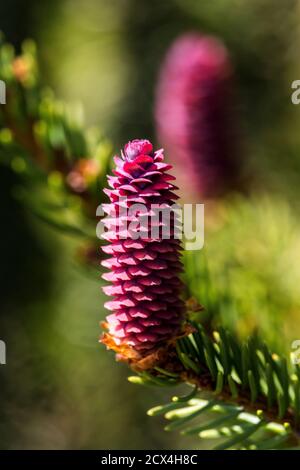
[(60, 389)]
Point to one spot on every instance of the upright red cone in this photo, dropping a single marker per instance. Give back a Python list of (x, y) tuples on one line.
[(143, 272)]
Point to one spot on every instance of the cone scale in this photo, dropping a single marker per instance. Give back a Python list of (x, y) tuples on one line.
[(144, 283)]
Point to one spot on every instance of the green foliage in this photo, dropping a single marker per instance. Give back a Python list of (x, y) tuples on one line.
[(61, 167), (247, 274), (243, 396)]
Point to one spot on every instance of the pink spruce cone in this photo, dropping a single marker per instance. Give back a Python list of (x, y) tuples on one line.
[(194, 115), (144, 272)]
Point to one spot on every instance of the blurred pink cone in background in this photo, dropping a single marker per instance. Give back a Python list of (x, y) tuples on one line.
[(194, 114)]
